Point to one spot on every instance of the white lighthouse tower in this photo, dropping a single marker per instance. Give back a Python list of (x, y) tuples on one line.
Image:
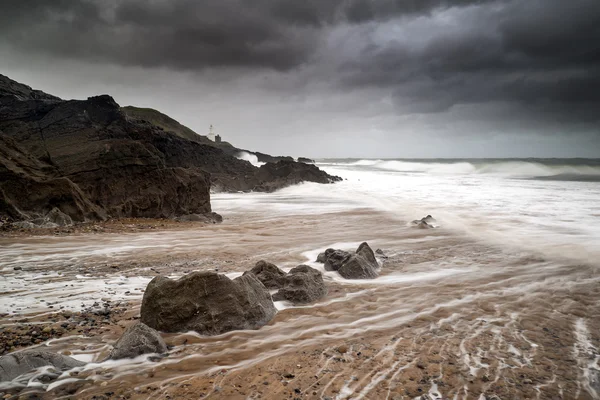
[(211, 134)]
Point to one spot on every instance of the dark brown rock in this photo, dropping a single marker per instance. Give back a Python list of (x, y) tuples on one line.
[(334, 259), (302, 285), (138, 339), (207, 303), (269, 274), (285, 173), (361, 265), (91, 160)]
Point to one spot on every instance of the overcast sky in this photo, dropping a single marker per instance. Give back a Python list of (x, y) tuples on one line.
[(330, 78)]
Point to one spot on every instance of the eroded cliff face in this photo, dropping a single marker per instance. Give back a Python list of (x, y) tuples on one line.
[(89, 153), (109, 164)]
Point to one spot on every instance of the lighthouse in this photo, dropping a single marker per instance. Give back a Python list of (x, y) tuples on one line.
[(211, 134)]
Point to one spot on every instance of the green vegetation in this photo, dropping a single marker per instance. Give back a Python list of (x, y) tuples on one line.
[(165, 122)]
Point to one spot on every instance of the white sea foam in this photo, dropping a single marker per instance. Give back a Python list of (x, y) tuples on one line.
[(251, 158)]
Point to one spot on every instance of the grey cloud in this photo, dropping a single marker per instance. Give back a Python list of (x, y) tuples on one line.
[(539, 53), (330, 65), (188, 34)]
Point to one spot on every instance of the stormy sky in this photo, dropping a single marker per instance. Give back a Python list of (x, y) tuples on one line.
[(330, 78)]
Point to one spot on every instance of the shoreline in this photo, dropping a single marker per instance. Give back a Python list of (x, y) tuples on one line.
[(448, 315)]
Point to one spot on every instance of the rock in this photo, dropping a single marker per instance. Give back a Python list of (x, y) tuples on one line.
[(24, 225), (15, 364), (365, 251), (361, 265), (306, 160), (303, 284), (424, 223), (206, 302), (283, 173), (357, 267), (59, 218), (428, 219), (138, 339), (335, 258), (209, 218), (17, 268), (321, 258), (381, 253), (91, 160), (269, 274)]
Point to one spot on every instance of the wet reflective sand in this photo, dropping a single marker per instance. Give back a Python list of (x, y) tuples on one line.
[(449, 317)]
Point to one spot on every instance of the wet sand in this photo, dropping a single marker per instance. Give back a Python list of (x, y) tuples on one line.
[(449, 317)]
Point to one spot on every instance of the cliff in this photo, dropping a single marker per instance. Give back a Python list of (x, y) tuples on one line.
[(92, 160)]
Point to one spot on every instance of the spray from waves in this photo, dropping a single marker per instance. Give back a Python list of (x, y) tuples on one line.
[(509, 169), (251, 158)]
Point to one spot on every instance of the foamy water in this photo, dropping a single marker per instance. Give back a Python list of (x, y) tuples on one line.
[(501, 202), (502, 299)]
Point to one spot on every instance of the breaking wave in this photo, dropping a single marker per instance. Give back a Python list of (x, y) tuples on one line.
[(568, 170), (251, 158)]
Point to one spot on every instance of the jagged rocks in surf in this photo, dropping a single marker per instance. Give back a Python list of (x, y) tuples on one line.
[(334, 259), (269, 274), (285, 173), (138, 339), (19, 363), (206, 302), (361, 265), (424, 223), (380, 253), (302, 285)]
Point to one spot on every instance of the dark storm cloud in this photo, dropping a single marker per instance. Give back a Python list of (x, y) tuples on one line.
[(427, 56), (544, 54), (188, 34)]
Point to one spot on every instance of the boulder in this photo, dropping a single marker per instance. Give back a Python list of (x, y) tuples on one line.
[(15, 364), (206, 302), (59, 218), (424, 223), (357, 267), (361, 265), (138, 339), (321, 258), (306, 160), (302, 285), (334, 259), (365, 251), (269, 274)]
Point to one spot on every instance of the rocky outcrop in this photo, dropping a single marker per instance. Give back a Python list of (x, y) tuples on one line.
[(138, 339), (334, 259), (360, 265), (424, 223), (302, 285), (284, 173), (269, 274), (15, 364), (92, 160), (306, 160), (31, 189), (207, 303)]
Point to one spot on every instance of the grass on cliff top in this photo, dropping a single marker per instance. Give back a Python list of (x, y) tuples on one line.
[(165, 122)]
